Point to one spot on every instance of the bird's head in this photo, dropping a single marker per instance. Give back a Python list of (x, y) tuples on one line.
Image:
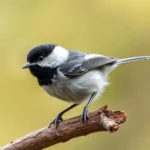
[(43, 57), (48, 55)]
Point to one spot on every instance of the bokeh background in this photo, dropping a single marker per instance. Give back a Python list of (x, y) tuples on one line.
[(119, 28)]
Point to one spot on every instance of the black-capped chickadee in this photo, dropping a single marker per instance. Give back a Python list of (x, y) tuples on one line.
[(72, 76)]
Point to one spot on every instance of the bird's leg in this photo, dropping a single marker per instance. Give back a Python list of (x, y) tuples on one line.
[(59, 116), (84, 116)]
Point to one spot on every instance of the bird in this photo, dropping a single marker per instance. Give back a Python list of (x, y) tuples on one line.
[(72, 76)]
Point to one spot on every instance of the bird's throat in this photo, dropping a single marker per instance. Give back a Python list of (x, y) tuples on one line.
[(43, 74)]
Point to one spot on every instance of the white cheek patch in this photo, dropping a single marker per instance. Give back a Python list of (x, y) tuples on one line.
[(58, 56)]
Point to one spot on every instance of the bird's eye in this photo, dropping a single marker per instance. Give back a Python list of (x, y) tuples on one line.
[(40, 58)]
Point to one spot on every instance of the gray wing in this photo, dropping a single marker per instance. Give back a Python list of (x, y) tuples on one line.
[(85, 63)]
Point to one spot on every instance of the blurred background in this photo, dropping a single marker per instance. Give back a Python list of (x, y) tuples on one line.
[(119, 28)]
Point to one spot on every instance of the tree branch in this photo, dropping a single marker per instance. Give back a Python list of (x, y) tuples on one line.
[(100, 120)]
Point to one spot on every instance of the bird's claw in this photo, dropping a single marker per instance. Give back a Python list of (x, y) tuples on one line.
[(84, 116), (56, 120)]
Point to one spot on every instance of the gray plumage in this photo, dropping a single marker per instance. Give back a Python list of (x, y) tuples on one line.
[(77, 64)]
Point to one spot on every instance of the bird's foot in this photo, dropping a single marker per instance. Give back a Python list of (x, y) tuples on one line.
[(56, 120), (84, 116)]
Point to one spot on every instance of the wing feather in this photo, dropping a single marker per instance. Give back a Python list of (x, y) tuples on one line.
[(82, 65)]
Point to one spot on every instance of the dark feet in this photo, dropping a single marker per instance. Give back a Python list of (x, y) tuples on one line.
[(56, 120), (59, 116), (84, 116)]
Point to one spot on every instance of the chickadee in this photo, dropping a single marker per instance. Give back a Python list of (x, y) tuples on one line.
[(72, 76)]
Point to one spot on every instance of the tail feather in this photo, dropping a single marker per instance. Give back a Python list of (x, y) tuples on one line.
[(131, 59)]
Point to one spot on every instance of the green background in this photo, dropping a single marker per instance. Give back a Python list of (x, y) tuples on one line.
[(119, 28)]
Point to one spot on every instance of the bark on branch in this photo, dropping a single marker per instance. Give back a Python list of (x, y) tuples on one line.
[(103, 119)]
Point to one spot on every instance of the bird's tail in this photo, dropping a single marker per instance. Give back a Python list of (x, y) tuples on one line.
[(131, 59)]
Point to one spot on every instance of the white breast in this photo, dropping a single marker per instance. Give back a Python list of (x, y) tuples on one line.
[(77, 89)]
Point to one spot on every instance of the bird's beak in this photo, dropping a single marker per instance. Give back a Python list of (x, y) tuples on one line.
[(28, 65)]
